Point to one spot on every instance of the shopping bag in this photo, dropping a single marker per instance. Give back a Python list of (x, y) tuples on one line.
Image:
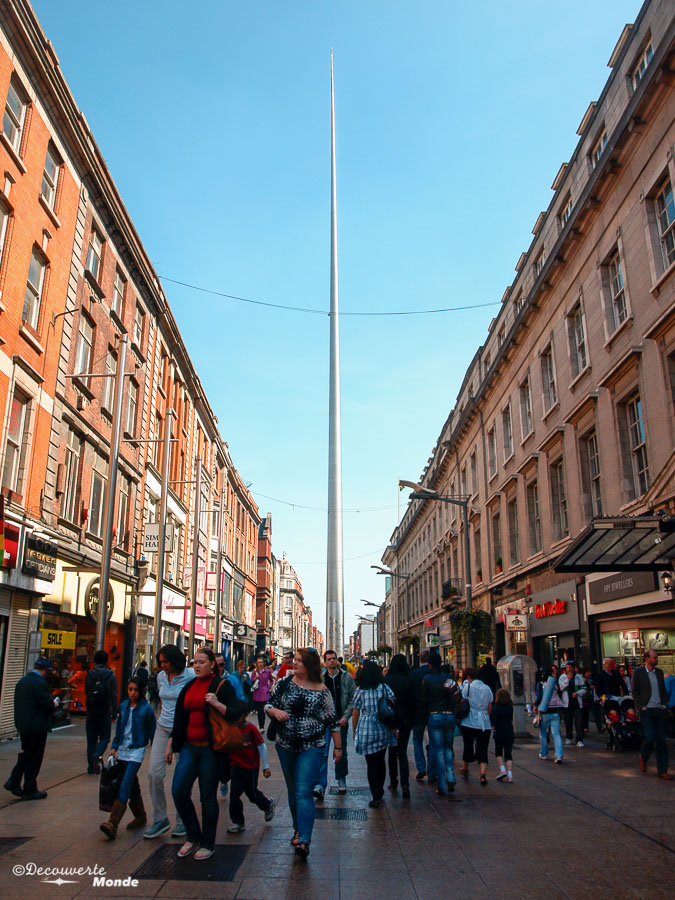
[(109, 785)]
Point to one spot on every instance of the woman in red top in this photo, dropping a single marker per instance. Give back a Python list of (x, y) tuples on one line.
[(191, 737)]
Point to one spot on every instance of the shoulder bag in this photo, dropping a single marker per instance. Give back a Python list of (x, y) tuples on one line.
[(385, 711), (226, 735), (273, 727), (463, 708)]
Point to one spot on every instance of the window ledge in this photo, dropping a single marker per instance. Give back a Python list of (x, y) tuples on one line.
[(507, 459), (50, 212), (655, 289), (31, 339), (528, 437), (560, 542), (16, 159), (90, 536), (535, 557), (117, 320), (627, 323), (83, 388), (138, 352), (106, 414), (551, 409), (93, 284), (491, 478), (575, 381)]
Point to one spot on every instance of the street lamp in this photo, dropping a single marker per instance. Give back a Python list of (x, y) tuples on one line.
[(422, 493), (382, 571)]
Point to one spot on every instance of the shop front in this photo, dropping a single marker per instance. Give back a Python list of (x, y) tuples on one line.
[(173, 612), (554, 626), (512, 629), (628, 614), (244, 643), (446, 646)]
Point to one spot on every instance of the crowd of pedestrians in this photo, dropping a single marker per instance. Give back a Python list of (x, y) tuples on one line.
[(197, 713)]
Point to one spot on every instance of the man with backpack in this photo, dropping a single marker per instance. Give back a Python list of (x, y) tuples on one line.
[(100, 687)]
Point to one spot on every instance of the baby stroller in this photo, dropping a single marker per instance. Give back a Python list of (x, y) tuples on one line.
[(623, 726), (630, 721)]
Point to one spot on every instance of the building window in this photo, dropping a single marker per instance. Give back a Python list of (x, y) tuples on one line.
[(462, 481), (497, 538), (508, 432), (533, 518), (34, 289), (492, 451), (119, 290), (559, 501), (487, 362), (4, 228), (539, 264), (598, 148), (566, 212), (514, 537), (138, 327), (548, 379), (85, 344), (109, 381), (501, 336), (665, 215), (590, 471), (576, 330), (638, 446), (94, 254), (132, 401), (72, 472), (518, 303), (645, 58), (15, 116), (50, 176), (474, 473), (617, 291), (526, 407), (123, 490), (99, 479), (16, 443)]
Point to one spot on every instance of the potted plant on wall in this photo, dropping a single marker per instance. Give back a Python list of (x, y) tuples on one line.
[(498, 566), (479, 575)]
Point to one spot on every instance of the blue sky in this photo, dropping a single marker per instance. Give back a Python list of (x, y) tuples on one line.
[(452, 121)]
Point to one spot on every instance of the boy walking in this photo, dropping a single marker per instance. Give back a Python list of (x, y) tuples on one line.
[(245, 763)]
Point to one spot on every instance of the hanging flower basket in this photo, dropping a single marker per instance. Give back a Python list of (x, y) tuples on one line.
[(385, 649), (476, 621), (409, 640)]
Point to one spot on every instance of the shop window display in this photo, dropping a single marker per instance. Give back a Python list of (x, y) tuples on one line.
[(629, 646)]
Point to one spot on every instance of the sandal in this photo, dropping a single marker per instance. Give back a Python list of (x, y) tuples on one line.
[(464, 773), (294, 839), (203, 853), (483, 780), (186, 849), (302, 850)]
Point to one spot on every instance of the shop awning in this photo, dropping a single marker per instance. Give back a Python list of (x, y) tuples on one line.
[(622, 543)]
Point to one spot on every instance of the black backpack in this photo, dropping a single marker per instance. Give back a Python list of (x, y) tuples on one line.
[(98, 694)]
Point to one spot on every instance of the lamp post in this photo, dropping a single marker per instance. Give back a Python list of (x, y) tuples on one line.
[(421, 493), (381, 570)]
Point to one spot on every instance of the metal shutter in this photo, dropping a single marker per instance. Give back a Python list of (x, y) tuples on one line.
[(15, 661)]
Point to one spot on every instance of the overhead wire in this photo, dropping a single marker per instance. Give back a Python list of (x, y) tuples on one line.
[(321, 508)]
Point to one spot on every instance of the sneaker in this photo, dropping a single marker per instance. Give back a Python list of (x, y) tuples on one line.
[(580, 744), (342, 785), (568, 741), (420, 776), (269, 813), (665, 776), (179, 831), (501, 776), (235, 829), (157, 828), (509, 778), (541, 756), (224, 789), (558, 761), (318, 793)]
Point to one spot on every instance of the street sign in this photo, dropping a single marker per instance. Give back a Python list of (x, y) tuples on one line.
[(151, 538), (516, 622)]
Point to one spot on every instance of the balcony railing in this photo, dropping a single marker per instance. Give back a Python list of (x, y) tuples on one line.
[(452, 588)]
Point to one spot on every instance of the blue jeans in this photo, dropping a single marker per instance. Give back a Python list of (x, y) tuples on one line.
[(552, 721), (130, 789), (341, 768), (197, 763), (654, 732), (301, 773), (424, 765), (441, 735)]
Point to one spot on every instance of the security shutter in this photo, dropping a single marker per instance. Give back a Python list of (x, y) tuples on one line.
[(14, 662)]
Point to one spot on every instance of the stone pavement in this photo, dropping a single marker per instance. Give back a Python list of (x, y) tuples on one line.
[(593, 827)]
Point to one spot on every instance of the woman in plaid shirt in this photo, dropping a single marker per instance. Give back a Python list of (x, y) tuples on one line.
[(371, 736)]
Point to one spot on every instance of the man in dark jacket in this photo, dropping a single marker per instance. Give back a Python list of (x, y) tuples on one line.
[(422, 761), (609, 682), (33, 708), (489, 675), (100, 688), (649, 694)]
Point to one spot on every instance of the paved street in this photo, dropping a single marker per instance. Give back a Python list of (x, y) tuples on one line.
[(593, 827)]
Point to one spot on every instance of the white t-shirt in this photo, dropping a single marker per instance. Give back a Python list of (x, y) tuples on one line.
[(125, 752)]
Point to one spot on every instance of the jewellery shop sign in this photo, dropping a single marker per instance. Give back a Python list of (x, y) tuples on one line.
[(39, 556)]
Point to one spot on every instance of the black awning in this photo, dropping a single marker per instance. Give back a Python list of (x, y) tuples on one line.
[(621, 543)]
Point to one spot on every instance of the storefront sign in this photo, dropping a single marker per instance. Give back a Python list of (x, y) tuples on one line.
[(11, 546), (623, 584), (57, 640), (39, 557), (244, 634), (91, 600), (151, 538), (515, 622), (552, 608), (433, 640)]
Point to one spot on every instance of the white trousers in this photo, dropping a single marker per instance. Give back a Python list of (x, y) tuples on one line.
[(157, 774)]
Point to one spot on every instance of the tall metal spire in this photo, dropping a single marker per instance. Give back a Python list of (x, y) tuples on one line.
[(334, 572)]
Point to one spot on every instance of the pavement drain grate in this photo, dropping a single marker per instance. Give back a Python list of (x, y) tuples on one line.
[(164, 865), (11, 843), (350, 790), (351, 815)]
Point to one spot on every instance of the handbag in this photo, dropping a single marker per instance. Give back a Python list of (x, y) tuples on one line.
[(385, 711), (273, 727), (226, 735), (463, 708), (109, 784)]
